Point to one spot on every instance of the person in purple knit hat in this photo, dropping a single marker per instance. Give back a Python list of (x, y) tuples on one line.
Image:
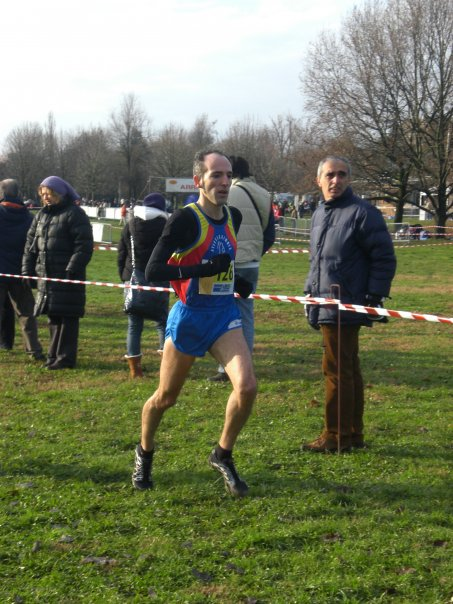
[(59, 245)]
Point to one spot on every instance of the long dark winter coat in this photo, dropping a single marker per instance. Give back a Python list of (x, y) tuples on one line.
[(350, 246), (59, 245)]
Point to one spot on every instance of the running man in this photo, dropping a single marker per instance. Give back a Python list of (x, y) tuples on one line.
[(196, 254)]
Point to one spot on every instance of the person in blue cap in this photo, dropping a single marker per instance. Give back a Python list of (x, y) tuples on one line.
[(59, 245)]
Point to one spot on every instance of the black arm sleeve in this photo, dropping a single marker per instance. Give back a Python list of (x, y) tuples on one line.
[(236, 216), (122, 251), (269, 233)]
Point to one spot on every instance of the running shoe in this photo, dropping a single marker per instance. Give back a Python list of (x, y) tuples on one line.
[(141, 476), (233, 483)]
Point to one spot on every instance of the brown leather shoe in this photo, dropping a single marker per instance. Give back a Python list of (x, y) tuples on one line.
[(328, 443)]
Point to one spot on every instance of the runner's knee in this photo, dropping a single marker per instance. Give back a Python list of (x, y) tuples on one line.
[(246, 391), (164, 400)]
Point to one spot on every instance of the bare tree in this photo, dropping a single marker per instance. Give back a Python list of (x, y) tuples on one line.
[(92, 157), (172, 152), (25, 148), (271, 150), (130, 134), (251, 140), (51, 147), (386, 85), (242, 138), (285, 133), (202, 135)]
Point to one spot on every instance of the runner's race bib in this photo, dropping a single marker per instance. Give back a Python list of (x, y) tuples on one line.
[(218, 285)]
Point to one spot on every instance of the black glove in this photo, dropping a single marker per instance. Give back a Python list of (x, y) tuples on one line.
[(243, 287), (214, 266), (375, 301)]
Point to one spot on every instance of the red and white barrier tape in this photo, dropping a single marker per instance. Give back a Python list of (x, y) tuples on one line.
[(406, 246), (400, 314), (305, 239), (420, 244), (113, 248), (272, 251), (290, 251)]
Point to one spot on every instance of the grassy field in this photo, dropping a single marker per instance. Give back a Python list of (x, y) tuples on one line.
[(367, 527)]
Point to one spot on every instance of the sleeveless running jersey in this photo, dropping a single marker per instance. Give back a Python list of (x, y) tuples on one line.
[(212, 239)]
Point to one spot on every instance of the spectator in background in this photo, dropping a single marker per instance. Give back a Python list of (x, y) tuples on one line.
[(278, 212), (59, 245), (255, 237), (145, 225), (15, 221), (123, 212), (350, 247), (190, 199)]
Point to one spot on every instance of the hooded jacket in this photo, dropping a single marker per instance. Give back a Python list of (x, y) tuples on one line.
[(146, 226), (350, 246), (59, 245)]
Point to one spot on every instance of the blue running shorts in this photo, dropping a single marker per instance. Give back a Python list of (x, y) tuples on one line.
[(194, 330)]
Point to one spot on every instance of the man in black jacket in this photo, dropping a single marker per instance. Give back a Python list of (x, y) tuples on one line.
[(350, 248), (15, 221)]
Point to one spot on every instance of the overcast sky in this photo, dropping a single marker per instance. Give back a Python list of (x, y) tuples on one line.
[(230, 59)]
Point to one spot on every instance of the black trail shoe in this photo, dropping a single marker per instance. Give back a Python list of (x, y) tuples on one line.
[(220, 376), (141, 476), (233, 483)]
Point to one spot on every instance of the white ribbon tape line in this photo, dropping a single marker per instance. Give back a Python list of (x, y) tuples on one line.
[(401, 314)]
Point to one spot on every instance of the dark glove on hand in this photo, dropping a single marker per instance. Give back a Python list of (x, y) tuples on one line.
[(307, 307), (70, 275), (243, 287), (314, 326), (375, 301), (217, 264)]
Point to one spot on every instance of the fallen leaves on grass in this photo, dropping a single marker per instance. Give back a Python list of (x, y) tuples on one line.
[(100, 560), (332, 537), (202, 576)]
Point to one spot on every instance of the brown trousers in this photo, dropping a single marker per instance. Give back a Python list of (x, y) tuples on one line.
[(350, 384)]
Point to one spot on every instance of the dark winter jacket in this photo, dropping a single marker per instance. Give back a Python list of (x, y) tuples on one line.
[(350, 246), (146, 232), (15, 220), (59, 245)]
